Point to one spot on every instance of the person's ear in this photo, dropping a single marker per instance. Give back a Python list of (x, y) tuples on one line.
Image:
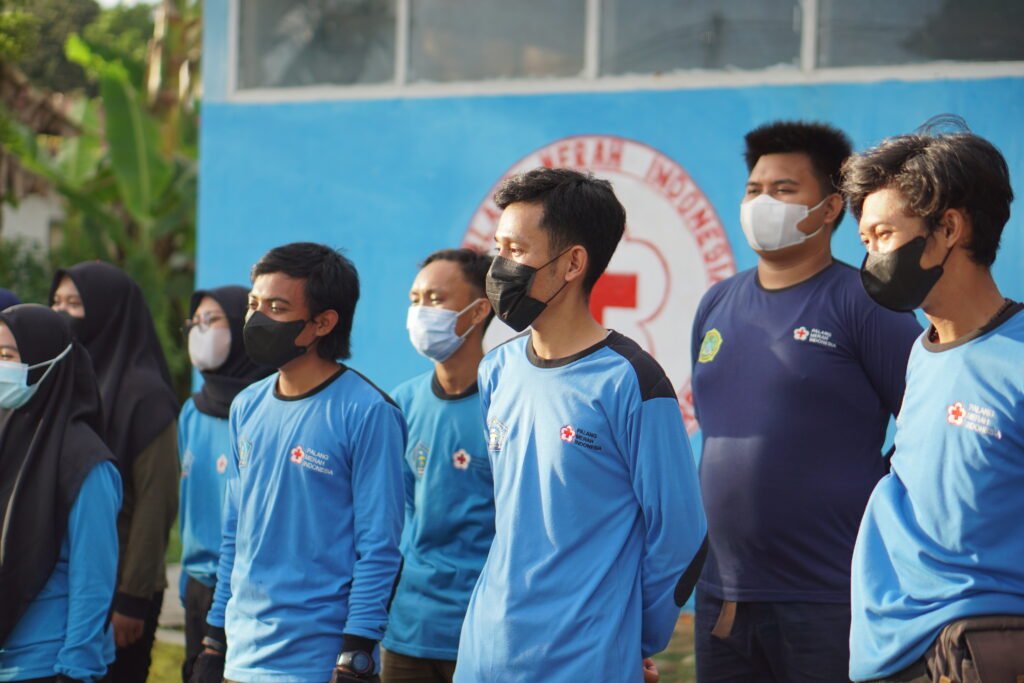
[(833, 206), (481, 309), (578, 259), (954, 228), (324, 322)]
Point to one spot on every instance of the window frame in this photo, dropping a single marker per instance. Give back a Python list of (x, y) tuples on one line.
[(591, 80)]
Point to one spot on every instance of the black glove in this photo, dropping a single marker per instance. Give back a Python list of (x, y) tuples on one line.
[(342, 676), (209, 668)]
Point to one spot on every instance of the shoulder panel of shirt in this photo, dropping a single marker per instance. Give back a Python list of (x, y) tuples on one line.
[(651, 378)]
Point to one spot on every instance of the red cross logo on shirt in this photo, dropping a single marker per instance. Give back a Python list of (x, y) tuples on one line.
[(955, 414), (568, 434), (460, 459), (800, 334), (297, 454)]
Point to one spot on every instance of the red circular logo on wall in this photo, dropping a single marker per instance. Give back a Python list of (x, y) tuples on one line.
[(674, 248)]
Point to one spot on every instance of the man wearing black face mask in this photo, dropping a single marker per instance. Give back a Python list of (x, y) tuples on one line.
[(314, 503), (599, 528), (937, 569)]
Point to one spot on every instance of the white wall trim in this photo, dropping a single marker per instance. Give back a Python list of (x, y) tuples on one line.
[(592, 40), (233, 26), (932, 71), (403, 16)]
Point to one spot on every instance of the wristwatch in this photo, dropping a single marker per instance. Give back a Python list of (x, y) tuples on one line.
[(358, 662)]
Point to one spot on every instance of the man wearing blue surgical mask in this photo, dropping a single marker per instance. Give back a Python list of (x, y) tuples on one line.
[(796, 375), (449, 490)]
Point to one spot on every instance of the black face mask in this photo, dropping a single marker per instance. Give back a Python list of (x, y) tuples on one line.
[(74, 323), (508, 284), (896, 280), (270, 342)]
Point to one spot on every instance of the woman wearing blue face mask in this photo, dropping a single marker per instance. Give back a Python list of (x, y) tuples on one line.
[(59, 497)]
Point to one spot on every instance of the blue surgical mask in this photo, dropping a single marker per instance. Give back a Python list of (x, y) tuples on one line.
[(432, 331), (15, 391)]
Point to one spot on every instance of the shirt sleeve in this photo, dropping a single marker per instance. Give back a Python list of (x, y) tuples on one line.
[(183, 576), (229, 527), (154, 481), (664, 479), (886, 339), (377, 460), (92, 574)]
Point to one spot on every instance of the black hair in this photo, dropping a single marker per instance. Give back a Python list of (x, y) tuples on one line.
[(473, 264), (577, 209), (936, 171), (827, 148), (332, 284)]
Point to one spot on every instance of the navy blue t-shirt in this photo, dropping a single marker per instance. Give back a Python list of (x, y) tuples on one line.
[(793, 389)]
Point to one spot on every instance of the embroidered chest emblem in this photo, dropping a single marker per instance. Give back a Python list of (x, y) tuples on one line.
[(461, 459), (710, 346)]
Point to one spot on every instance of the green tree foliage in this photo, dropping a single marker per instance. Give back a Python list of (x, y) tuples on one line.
[(46, 65), (19, 29), (128, 181)]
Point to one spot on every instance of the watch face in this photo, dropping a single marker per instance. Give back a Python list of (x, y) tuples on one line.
[(358, 661)]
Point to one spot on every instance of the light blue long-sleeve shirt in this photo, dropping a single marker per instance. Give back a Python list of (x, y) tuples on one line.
[(312, 521), (204, 444), (599, 525), (65, 630)]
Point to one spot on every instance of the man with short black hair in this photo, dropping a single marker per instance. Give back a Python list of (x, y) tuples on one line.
[(796, 373), (938, 569), (313, 508), (449, 493), (600, 533)]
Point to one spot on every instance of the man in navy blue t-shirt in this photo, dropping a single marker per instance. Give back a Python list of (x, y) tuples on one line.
[(796, 374)]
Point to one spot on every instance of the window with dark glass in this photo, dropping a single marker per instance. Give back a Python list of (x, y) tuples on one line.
[(315, 42), (660, 36)]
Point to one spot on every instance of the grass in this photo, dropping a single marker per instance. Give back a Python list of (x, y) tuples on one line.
[(166, 664), (676, 663)]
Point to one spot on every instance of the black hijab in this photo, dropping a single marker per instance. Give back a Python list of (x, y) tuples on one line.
[(118, 332), (47, 448), (220, 386)]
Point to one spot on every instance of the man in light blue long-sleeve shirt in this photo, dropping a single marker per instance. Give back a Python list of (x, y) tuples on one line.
[(599, 528), (314, 504)]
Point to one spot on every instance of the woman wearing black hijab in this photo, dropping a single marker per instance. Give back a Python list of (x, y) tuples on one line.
[(215, 348), (110, 318), (59, 496)]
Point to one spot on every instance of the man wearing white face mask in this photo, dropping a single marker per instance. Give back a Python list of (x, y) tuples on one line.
[(214, 335), (449, 491), (796, 374)]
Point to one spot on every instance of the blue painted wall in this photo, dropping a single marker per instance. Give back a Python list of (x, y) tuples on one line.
[(392, 180)]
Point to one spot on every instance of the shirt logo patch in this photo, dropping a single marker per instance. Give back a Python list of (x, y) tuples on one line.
[(311, 459), (567, 434), (419, 457), (814, 336), (497, 433), (222, 463), (975, 418), (710, 346), (186, 462), (461, 459), (244, 451)]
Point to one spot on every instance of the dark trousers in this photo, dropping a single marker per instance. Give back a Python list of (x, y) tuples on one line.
[(398, 668), (771, 642), (198, 598), (131, 664)]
